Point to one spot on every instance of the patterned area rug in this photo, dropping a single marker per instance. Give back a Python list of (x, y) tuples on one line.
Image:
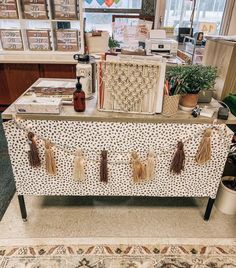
[(118, 256)]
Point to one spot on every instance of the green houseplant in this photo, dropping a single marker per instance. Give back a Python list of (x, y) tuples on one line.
[(189, 80), (113, 44)]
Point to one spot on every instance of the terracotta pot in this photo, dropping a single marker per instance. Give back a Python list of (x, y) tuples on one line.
[(189, 100)]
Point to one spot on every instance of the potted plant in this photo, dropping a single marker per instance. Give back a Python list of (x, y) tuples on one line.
[(113, 44), (226, 197), (189, 80)]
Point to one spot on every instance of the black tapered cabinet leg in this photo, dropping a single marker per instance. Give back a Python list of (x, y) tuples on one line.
[(209, 209), (22, 207)]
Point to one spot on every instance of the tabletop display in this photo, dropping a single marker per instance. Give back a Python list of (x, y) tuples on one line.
[(116, 154)]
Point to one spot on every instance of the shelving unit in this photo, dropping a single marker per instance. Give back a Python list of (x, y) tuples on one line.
[(42, 22)]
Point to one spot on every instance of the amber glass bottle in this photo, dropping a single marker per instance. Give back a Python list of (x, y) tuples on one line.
[(79, 97)]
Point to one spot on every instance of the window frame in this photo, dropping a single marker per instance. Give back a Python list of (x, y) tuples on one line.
[(113, 10)]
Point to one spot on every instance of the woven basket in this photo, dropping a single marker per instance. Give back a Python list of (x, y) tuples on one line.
[(170, 105)]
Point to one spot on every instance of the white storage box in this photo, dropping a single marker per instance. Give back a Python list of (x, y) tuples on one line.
[(36, 105)]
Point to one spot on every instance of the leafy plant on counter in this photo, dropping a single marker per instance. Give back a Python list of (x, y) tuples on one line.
[(190, 79), (113, 43)]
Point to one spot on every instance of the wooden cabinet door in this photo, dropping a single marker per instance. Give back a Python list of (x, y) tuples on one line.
[(20, 77), (57, 71), (5, 97)]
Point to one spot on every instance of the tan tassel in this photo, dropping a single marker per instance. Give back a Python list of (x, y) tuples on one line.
[(33, 154), (79, 162), (204, 149), (103, 167), (150, 166), (49, 158), (177, 164), (138, 168)]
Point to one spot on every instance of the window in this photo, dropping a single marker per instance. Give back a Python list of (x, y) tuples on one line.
[(178, 13), (99, 13)]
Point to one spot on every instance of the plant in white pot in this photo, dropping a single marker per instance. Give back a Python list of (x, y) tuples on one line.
[(113, 44), (226, 197), (189, 80)]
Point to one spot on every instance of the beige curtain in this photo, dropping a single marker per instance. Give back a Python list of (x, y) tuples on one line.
[(227, 16)]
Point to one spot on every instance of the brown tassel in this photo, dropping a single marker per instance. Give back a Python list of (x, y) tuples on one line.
[(177, 164), (33, 151), (138, 168), (204, 149), (49, 159), (103, 167), (150, 166), (79, 171)]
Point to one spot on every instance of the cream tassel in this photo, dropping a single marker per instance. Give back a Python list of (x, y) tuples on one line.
[(49, 159), (138, 169), (150, 166), (79, 171), (204, 149)]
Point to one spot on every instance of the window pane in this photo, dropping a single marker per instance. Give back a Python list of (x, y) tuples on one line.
[(178, 13), (103, 21), (134, 4)]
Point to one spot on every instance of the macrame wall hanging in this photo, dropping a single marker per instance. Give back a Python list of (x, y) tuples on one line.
[(130, 86)]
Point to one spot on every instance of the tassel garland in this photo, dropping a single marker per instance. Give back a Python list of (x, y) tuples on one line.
[(204, 149), (79, 170), (49, 158), (177, 164), (150, 166), (138, 168), (33, 154), (103, 167)]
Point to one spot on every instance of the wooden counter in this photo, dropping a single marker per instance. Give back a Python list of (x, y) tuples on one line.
[(92, 114), (38, 57)]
